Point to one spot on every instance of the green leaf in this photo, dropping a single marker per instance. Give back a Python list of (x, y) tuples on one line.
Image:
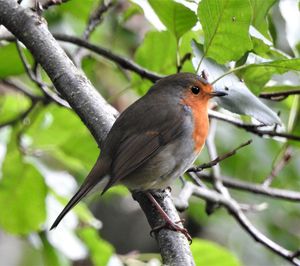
[(185, 47), (208, 253), (11, 105), (11, 64), (61, 134), (77, 8), (22, 193), (266, 51), (51, 257), (260, 9), (176, 17), (153, 55), (257, 75), (226, 28), (132, 10), (99, 249)]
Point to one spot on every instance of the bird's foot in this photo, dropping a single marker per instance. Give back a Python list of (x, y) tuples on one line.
[(169, 189), (174, 227)]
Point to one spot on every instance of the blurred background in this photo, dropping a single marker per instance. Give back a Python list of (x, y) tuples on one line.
[(46, 151)]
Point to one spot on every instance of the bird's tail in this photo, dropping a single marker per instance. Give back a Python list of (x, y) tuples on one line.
[(94, 177)]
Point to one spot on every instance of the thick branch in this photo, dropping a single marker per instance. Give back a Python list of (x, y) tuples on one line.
[(82, 97), (170, 250)]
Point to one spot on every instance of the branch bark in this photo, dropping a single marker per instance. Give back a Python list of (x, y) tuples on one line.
[(94, 111)]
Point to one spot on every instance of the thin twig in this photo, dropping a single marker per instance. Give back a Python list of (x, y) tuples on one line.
[(278, 95), (44, 87), (121, 61), (96, 18), (255, 129), (216, 170), (22, 89), (277, 167), (253, 207), (185, 58), (256, 188), (218, 159), (49, 3)]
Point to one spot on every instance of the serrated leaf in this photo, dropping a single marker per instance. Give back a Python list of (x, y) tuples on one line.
[(208, 253), (176, 17), (225, 25), (11, 64), (22, 193), (260, 11)]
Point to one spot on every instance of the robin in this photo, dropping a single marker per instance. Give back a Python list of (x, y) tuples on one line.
[(154, 141)]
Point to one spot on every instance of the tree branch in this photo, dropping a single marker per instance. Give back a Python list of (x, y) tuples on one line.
[(44, 87), (177, 250), (94, 111), (256, 188), (279, 95), (49, 3), (235, 210), (218, 159), (17, 87), (277, 167), (96, 18), (121, 61), (251, 127)]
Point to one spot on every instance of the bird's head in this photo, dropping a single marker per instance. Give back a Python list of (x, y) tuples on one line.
[(187, 87)]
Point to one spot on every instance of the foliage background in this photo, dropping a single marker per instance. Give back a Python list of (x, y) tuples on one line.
[(49, 150)]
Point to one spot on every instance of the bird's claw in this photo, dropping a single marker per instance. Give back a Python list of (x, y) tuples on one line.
[(173, 227)]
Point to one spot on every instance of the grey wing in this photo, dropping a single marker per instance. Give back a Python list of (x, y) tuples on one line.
[(136, 149)]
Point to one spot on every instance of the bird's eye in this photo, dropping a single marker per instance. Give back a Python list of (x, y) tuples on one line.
[(195, 90)]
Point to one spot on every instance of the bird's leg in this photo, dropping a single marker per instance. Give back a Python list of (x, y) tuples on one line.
[(168, 222)]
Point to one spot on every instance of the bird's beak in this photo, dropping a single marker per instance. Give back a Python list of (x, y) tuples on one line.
[(218, 94)]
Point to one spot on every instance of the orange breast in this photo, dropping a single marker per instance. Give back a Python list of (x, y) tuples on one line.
[(200, 119)]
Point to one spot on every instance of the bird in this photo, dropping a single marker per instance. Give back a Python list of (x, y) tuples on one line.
[(154, 141)]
